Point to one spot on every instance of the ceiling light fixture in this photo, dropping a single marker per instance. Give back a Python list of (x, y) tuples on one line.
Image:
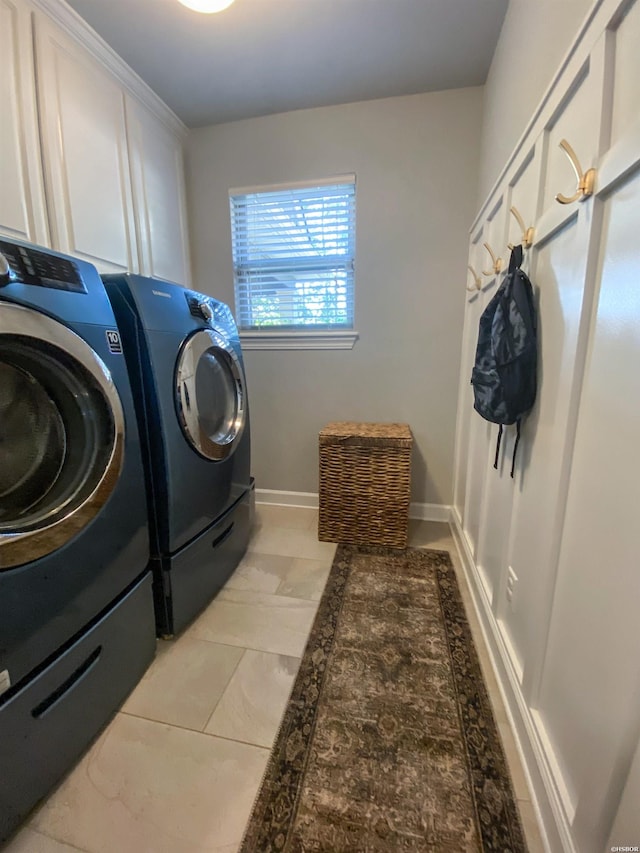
[(206, 6)]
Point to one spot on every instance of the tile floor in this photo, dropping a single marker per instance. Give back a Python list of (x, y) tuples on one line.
[(177, 770)]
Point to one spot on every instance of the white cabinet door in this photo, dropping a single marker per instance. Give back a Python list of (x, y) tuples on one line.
[(159, 195), (483, 435), (590, 687), (563, 279), (626, 825), (85, 155), (465, 393), (472, 429), (22, 207)]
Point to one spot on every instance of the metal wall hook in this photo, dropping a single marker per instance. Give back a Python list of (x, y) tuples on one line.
[(586, 180), (477, 282), (496, 262), (527, 233)]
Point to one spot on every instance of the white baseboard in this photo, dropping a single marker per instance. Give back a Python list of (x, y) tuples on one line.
[(275, 497), (292, 499), (430, 512), (538, 763)]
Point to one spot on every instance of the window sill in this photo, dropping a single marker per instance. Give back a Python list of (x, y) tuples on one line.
[(298, 340)]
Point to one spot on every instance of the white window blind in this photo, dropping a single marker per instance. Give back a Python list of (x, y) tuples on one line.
[(294, 255)]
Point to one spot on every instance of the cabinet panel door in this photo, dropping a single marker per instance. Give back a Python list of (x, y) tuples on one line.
[(563, 280), (465, 392), (159, 196), (589, 699), (477, 429), (85, 153), (22, 208), (590, 691), (627, 821), (482, 495), (522, 194)]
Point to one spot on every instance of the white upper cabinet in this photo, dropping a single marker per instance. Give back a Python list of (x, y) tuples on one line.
[(22, 208), (157, 171), (79, 124), (85, 155)]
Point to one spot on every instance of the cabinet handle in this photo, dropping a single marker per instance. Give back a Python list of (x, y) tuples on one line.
[(586, 180), (496, 262), (477, 283)]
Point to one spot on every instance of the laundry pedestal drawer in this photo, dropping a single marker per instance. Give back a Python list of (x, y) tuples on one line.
[(365, 483)]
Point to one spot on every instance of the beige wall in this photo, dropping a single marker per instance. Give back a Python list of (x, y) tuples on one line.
[(416, 162), (535, 37)]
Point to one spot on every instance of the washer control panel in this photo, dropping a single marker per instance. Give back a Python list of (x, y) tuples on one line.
[(24, 265)]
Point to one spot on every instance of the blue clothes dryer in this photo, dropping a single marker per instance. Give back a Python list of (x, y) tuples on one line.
[(186, 370), (76, 607)]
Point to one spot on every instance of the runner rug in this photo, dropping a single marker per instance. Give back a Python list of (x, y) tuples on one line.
[(388, 742)]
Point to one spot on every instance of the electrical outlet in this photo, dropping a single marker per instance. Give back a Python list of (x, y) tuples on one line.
[(512, 585)]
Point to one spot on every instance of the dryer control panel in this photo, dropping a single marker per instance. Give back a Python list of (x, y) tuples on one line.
[(29, 266), (214, 313), (200, 308)]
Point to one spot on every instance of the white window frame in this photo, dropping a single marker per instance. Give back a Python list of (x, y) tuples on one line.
[(297, 337)]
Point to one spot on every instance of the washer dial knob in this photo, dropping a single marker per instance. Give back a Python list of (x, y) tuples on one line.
[(5, 270)]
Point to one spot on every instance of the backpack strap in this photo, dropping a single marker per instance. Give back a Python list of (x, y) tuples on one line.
[(515, 261), (515, 447), (495, 462)]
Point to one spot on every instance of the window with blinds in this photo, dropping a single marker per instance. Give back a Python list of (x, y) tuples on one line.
[(294, 255)]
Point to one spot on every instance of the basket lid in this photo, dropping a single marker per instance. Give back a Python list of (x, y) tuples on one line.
[(369, 434)]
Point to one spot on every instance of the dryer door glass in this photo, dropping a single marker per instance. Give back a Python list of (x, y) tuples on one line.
[(59, 431), (210, 398)]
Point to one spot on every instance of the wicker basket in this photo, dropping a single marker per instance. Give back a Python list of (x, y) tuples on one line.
[(365, 483)]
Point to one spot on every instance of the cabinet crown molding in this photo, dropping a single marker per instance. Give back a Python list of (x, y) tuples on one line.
[(75, 26)]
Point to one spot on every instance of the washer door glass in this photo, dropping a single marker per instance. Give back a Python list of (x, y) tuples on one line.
[(210, 397), (60, 440)]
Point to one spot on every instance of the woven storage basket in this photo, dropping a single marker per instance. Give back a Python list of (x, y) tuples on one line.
[(365, 483)]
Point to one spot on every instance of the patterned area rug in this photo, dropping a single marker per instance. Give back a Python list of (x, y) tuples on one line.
[(388, 742)]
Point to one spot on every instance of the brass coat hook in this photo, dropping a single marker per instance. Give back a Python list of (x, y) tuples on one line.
[(496, 262), (477, 282), (527, 233), (586, 180)]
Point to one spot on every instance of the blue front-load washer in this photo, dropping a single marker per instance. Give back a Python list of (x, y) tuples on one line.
[(186, 370), (77, 625)]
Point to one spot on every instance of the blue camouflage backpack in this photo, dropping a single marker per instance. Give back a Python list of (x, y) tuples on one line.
[(505, 369)]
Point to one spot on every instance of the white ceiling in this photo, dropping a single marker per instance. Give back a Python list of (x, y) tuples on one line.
[(267, 56)]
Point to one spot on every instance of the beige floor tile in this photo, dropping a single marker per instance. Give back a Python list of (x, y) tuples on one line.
[(183, 685), (30, 841), (146, 787), (301, 518), (254, 701), (256, 620), (305, 578), (531, 827), (291, 543), (260, 572), (430, 534)]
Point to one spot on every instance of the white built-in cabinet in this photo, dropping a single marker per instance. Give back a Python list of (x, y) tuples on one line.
[(22, 205), (157, 170), (85, 153), (552, 555), (90, 168)]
